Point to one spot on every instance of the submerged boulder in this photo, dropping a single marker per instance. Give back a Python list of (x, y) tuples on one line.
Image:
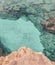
[(49, 26)]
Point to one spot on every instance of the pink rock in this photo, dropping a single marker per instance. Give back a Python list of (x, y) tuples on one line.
[(1, 60), (25, 56)]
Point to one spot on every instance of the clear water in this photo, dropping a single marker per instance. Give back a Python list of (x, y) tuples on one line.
[(22, 32), (18, 33)]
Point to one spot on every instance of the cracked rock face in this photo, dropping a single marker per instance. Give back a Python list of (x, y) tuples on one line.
[(25, 56)]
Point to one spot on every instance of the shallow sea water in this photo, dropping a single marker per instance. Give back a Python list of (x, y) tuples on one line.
[(27, 30), (18, 33)]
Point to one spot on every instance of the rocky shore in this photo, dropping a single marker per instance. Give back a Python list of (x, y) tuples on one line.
[(25, 56)]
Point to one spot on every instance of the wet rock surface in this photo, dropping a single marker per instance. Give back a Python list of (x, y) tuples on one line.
[(25, 56)]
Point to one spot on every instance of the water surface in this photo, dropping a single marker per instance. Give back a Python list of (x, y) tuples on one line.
[(18, 33)]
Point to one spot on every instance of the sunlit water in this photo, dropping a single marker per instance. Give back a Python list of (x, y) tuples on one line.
[(18, 33)]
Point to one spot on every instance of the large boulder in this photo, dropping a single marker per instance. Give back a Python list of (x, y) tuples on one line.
[(25, 56)]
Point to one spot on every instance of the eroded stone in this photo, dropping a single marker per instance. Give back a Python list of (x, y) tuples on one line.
[(25, 56)]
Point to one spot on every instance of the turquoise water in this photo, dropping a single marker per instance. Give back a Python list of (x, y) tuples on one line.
[(18, 33)]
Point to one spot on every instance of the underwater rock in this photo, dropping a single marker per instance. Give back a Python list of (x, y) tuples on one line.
[(48, 37), (13, 9), (10, 13), (25, 56), (16, 9), (48, 42), (1, 51), (49, 26)]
